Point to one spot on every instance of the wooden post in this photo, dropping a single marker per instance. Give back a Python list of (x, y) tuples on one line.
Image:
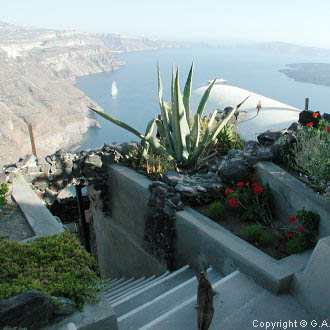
[(83, 225), (306, 103), (33, 146)]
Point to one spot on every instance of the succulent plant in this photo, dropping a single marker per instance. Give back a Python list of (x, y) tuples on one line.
[(179, 132)]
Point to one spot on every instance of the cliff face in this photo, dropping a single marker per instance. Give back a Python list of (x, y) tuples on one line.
[(37, 72)]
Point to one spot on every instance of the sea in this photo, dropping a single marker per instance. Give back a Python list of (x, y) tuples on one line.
[(137, 99)]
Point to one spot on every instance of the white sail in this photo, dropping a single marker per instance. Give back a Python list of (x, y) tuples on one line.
[(114, 89), (219, 81)]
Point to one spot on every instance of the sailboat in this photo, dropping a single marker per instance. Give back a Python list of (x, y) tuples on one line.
[(114, 89)]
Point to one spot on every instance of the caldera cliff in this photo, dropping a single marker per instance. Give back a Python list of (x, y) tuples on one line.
[(38, 68)]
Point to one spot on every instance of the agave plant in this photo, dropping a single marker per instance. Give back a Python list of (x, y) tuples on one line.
[(179, 131)]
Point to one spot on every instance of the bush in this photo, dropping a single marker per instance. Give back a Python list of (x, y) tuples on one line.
[(294, 246), (255, 234), (311, 153), (3, 197), (252, 233), (216, 210), (55, 265), (264, 238)]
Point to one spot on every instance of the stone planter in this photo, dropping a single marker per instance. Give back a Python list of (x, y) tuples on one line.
[(201, 240)]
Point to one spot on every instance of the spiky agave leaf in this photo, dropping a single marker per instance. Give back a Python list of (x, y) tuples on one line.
[(182, 130), (195, 133), (187, 93), (204, 98), (211, 137), (118, 122)]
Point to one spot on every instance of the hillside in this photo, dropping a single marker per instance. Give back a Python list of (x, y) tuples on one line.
[(37, 84)]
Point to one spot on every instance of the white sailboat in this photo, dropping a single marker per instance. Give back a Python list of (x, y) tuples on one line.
[(114, 89)]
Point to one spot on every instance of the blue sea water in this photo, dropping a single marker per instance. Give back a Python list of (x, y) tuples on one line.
[(137, 99)]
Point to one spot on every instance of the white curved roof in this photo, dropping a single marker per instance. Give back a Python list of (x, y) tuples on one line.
[(273, 114)]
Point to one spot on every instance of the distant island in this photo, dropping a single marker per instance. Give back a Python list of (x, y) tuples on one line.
[(313, 73)]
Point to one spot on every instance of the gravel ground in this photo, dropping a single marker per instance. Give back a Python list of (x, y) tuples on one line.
[(14, 225)]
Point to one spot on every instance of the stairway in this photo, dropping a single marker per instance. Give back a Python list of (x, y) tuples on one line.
[(167, 302)]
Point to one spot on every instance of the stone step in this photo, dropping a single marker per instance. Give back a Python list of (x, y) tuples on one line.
[(111, 293), (121, 284), (143, 314), (234, 291), (136, 286), (151, 291), (268, 307), (135, 291), (42, 222)]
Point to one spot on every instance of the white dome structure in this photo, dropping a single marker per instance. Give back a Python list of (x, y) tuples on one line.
[(272, 115)]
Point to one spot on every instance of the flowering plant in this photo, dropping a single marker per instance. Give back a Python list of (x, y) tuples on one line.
[(302, 230), (251, 199)]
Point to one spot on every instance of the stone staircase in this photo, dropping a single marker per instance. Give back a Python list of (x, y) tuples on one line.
[(167, 302)]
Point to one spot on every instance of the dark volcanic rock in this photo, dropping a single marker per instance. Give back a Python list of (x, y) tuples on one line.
[(172, 178), (269, 137), (30, 309), (63, 306), (234, 170)]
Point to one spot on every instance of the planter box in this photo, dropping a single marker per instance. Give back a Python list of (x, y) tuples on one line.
[(199, 238), (291, 195)]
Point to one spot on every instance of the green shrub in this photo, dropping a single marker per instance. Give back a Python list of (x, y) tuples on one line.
[(216, 210), (294, 246), (56, 265), (265, 238), (252, 233), (311, 153), (3, 197)]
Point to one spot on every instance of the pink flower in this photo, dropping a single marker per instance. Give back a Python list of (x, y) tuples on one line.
[(228, 191), (290, 235), (233, 202), (315, 114), (240, 184), (292, 219)]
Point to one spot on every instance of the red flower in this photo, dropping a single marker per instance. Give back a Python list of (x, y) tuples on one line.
[(290, 235), (327, 128), (300, 228), (228, 191), (258, 189), (315, 114), (309, 124), (253, 179), (240, 184), (233, 202), (292, 219)]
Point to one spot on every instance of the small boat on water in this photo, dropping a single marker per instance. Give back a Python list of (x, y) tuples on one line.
[(114, 89), (219, 81)]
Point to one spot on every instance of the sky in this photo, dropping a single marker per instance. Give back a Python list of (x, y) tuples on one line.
[(304, 22)]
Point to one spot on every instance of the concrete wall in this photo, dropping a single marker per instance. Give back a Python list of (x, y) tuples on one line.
[(119, 236), (201, 242), (311, 287), (291, 195)]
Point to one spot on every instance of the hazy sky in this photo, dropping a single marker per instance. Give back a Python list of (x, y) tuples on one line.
[(296, 21)]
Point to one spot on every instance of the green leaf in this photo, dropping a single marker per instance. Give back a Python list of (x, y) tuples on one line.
[(187, 93), (195, 133), (204, 99), (160, 86), (118, 122), (182, 127)]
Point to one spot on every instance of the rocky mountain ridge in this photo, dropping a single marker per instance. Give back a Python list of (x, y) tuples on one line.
[(37, 72)]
